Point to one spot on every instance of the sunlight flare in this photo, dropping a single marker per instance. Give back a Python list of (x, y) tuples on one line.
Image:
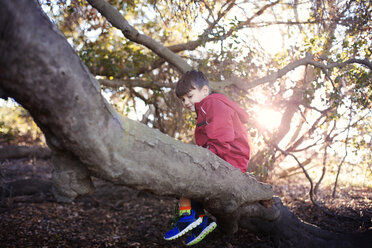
[(268, 118)]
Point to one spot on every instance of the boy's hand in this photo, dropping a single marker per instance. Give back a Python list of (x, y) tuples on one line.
[(267, 203)]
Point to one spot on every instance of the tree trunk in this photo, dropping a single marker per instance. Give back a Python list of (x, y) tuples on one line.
[(40, 70)]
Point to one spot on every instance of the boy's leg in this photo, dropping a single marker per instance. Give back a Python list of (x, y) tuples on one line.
[(203, 229), (184, 206), (197, 207), (188, 219)]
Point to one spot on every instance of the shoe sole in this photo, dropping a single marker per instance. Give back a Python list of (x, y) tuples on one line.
[(204, 233), (188, 228)]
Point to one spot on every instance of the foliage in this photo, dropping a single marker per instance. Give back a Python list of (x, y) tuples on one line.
[(17, 126)]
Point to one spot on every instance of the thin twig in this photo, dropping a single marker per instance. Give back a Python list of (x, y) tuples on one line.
[(323, 170), (311, 193), (346, 152)]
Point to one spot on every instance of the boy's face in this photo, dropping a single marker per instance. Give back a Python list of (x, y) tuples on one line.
[(194, 96)]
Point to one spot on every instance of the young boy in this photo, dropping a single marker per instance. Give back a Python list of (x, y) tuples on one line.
[(219, 128)]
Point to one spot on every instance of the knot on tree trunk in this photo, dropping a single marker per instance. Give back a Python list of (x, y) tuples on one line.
[(70, 178)]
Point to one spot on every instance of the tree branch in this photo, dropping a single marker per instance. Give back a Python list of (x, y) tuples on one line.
[(249, 20), (306, 134), (192, 45), (245, 85), (135, 83), (311, 192), (307, 60), (323, 169), (346, 152), (118, 21)]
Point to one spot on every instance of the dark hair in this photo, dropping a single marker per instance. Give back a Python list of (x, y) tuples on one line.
[(191, 80)]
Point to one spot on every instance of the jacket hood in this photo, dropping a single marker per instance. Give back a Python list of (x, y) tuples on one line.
[(243, 116)]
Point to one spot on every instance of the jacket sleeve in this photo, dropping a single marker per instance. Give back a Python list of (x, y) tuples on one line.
[(219, 128)]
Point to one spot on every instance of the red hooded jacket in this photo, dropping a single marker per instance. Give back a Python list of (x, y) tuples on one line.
[(219, 128)]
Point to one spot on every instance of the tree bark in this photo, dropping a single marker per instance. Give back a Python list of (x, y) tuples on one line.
[(40, 70)]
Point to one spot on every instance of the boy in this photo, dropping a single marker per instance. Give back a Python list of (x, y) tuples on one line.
[(219, 128)]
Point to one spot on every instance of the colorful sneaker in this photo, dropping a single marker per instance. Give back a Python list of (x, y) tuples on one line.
[(199, 232), (183, 225)]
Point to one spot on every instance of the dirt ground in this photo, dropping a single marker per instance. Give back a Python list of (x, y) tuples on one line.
[(117, 216)]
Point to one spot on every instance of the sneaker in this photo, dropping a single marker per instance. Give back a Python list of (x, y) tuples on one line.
[(199, 232), (183, 225)]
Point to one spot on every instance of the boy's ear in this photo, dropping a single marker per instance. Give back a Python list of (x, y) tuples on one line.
[(205, 90)]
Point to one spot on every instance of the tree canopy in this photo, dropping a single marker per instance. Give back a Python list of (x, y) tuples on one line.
[(302, 70)]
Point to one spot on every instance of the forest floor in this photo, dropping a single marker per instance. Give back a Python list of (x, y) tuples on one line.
[(116, 216)]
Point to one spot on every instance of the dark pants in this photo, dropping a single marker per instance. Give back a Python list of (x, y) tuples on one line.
[(197, 207)]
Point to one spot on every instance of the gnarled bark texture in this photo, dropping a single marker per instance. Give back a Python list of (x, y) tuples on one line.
[(88, 137)]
